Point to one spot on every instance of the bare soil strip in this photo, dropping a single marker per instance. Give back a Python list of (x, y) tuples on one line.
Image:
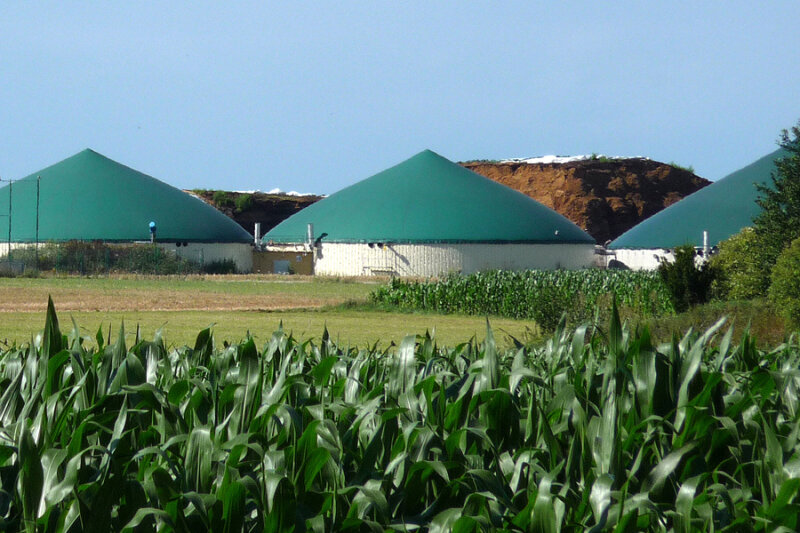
[(17, 299)]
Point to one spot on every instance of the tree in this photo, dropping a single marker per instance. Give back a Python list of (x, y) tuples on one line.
[(739, 267), (778, 224), (688, 283), (785, 287)]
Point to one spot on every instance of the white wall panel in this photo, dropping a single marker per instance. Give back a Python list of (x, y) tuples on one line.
[(338, 259), (639, 259), (203, 253)]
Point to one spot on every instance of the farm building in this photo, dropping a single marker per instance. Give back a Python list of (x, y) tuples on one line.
[(720, 210), (427, 216), (89, 197)]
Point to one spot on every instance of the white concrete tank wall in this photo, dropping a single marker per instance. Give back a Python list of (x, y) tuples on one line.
[(208, 252), (640, 259), (650, 259), (14, 246), (341, 259)]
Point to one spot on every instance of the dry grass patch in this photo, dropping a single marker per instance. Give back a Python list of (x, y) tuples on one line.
[(23, 300), (204, 293)]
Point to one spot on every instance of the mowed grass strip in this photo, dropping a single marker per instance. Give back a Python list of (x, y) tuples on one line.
[(346, 326), (167, 293)]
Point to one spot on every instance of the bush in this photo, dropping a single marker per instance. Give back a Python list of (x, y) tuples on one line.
[(222, 199), (244, 202), (742, 272), (601, 158), (689, 168), (785, 287), (687, 283), (221, 266), (90, 258), (149, 259)]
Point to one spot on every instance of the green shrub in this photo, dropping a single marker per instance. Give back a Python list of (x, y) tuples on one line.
[(784, 289), (150, 259), (221, 266), (742, 273), (222, 199), (244, 202), (602, 158), (91, 258), (689, 169), (687, 283)]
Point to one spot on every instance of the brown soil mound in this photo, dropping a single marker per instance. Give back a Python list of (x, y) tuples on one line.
[(248, 208), (604, 197)]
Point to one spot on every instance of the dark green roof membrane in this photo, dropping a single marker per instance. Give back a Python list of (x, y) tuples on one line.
[(90, 197), (723, 209), (428, 199)]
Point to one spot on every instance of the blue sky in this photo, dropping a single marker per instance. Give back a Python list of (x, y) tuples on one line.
[(314, 96)]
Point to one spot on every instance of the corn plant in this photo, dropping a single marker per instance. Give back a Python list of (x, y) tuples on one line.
[(540, 295), (597, 429)]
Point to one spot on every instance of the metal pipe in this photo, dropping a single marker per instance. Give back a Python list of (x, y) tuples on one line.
[(10, 182), (312, 248)]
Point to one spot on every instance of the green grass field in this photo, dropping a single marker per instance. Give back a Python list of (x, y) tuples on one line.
[(353, 327), (182, 306)]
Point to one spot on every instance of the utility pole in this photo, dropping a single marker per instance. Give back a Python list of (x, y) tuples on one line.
[(38, 180), (10, 183)]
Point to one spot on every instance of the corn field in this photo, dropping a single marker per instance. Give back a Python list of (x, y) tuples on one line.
[(540, 295), (595, 430)]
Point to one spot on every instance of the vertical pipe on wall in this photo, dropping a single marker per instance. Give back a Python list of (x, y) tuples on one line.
[(38, 180), (310, 236), (10, 183)]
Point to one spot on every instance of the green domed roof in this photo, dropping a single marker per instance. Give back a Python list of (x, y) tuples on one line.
[(90, 197), (723, 209), (428, 199)]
